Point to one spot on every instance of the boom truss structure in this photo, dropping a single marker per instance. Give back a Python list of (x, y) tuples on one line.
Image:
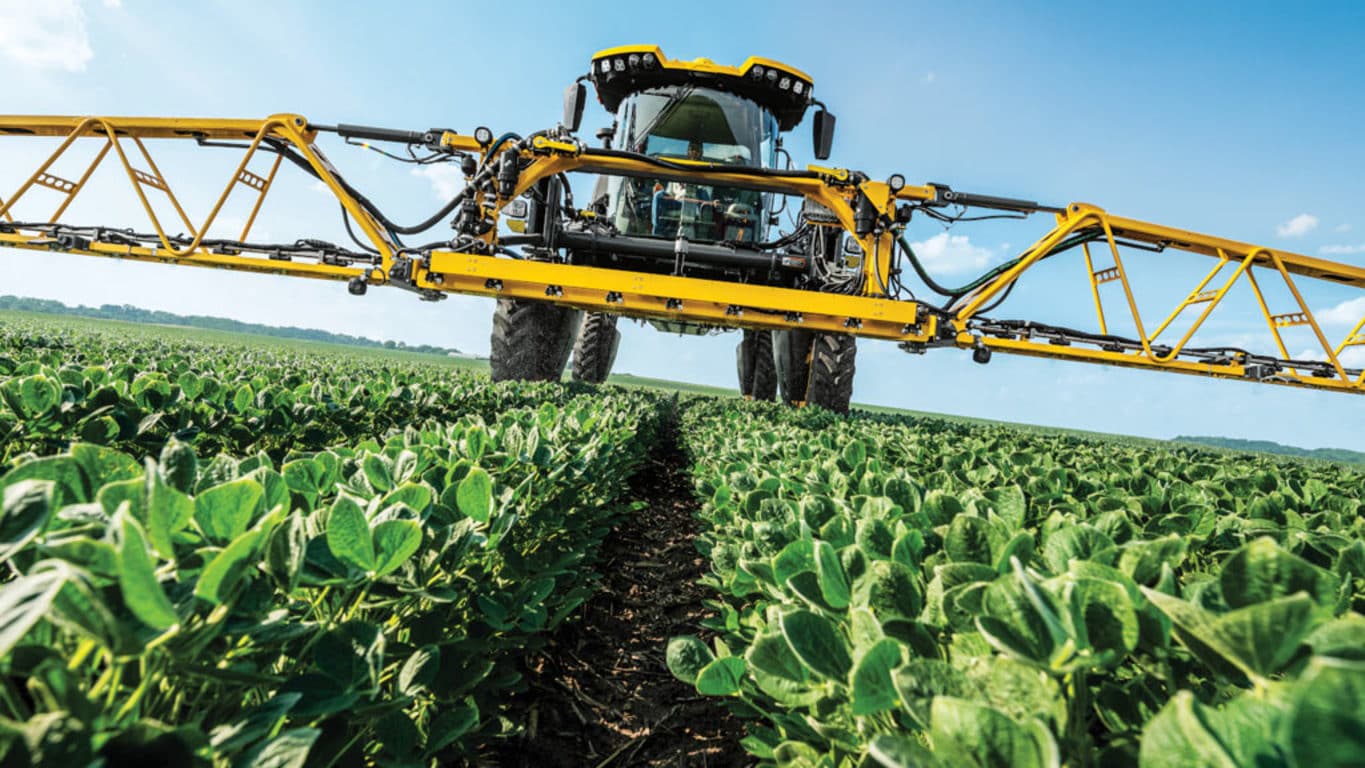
[(481, 262)]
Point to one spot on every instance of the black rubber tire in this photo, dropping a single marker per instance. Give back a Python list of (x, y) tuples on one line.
[(791, 351), (531, 340), (757, 370), (832, 365), (594, 352)]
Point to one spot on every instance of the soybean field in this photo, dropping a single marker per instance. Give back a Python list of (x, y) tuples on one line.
[(227, 551)]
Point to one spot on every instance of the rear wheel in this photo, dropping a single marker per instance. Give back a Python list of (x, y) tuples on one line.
[(595, 351), (531, 340), (757, 371), (792, 352), (816, 368), (832, 366)]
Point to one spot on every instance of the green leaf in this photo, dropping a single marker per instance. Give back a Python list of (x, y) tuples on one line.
[(137, 576), (348, 535), (1178, 738), (873, 689), (778, 673), (855, 453), (816, 642), (40, 395), (416, 497), (251, 725), (968, 540), (1258, 639), (686, 657), (892, 751), (450, 725), (352, 654), (1106, 618), (224, 511), (288, 749), (180, 465), (833, 578), (968, 734), (168, 512), (794, 558), (1261, 571), (920, 680), (475, 442), (25, 601), (377, 473), (25, 511), (191, 386), (474, 495), (721, 677), (419, 671), (889, 589), (228, 567), (1326, 722), (394, 542), (286, 550)]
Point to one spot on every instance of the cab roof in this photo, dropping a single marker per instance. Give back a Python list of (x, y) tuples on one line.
[(785, 91)]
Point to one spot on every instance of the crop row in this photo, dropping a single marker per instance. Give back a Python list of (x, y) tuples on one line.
[(905, 593), (352, 604), (136, 393)]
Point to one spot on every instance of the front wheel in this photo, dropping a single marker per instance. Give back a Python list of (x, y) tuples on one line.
[(832, 359), (816, 368), (757, 371), (595, 351), (531, 340)]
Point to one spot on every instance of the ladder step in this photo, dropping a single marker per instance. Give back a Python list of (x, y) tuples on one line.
[(55, 182), (251, 180), (149, 180), (1290, 319), (1107, 275)]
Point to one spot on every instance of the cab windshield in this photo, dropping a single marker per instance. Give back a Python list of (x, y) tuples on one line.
[(690, 124)]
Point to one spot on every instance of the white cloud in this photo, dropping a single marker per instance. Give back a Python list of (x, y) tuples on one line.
[(1346, 313), (930, 77), (446, 179), (113, 4), (1298, 226), (947, 253), (44, 35), (1342, 228), (1343, 250)]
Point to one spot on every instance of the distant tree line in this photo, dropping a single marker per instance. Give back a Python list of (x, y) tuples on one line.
[(131, 314), (1267, 446)]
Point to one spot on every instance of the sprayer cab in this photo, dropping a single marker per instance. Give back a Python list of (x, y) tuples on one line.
[(703, 113)]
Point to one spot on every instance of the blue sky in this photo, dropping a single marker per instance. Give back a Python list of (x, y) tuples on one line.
[(1238, 119)]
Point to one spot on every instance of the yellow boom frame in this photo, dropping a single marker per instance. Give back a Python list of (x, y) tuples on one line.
[(676, 298)]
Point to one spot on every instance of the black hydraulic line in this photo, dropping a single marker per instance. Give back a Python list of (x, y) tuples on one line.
[(701, 253), (365, 202), (956, 293), (346, 219), (371, 133)]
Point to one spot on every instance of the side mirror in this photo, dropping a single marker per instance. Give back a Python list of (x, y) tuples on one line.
[(822, 128), (575, 96)]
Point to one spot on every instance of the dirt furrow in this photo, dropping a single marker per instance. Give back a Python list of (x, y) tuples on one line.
[(600, 693)]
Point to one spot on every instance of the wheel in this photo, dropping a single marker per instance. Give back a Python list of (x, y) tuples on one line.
[(757, 371), (595, 350), (531, 340), (832, 367), (791, 350)]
